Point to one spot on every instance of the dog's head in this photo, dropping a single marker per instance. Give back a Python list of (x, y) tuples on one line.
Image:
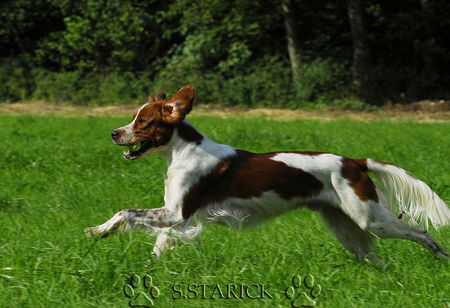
[(154, 122)]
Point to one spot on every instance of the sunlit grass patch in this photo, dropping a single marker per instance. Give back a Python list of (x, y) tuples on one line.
[(60, 175)]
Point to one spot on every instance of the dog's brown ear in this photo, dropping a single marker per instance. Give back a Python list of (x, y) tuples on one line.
[(179, 105), (158, 97)]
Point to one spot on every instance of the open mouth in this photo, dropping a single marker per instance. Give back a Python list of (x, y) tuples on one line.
[(136, 150)]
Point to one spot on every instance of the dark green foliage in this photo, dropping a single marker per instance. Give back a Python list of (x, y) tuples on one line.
[(410, 48), (16, 79), (234, 52), (87, 88), (322, 80)]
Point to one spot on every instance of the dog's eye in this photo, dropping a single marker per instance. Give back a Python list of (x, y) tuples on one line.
[(147, 123)]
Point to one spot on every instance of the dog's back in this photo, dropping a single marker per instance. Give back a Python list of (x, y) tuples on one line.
[(207, 182)]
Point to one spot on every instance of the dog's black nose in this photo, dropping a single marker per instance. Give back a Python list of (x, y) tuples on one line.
[(115, 133)]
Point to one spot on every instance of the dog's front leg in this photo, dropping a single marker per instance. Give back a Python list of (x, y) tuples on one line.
[(136, 219)]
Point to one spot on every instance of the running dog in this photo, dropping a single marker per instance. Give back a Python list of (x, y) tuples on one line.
[(211, 182)]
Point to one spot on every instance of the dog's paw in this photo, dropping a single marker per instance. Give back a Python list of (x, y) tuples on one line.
[(373, 259), (99, 231), (96, 231), (443, 254), (303, 293), (90, 231)]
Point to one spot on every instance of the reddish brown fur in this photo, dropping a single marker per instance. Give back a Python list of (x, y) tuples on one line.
[(189, 133), (355, 171), (158, 97), (178, 106), (157, 120), (362, 162), (248, 175), (149, 126)]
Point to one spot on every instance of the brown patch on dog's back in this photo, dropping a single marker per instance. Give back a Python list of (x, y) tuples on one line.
[(362, 162), (247, 175), (355, 171)]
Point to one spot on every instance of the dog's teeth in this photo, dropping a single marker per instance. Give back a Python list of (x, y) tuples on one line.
[(127, 155)]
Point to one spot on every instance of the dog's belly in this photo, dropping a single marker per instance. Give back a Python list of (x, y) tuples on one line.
[(240, 213)]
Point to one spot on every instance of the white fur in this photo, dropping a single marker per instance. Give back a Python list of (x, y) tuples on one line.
[(351, 219), (187, 163), (241, 213), (127, 135), (320, 165), (414, 197)]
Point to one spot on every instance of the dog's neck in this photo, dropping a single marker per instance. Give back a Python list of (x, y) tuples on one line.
[(188, 149)]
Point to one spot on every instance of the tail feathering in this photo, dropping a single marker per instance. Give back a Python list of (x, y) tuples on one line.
[(415, 198)]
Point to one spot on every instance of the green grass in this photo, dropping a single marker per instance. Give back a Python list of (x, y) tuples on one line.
[(60, 175)]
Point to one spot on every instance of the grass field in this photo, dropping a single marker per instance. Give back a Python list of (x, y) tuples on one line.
[(60, 175)]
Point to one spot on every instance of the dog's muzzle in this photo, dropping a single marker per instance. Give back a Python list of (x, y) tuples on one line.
[(115, 134)]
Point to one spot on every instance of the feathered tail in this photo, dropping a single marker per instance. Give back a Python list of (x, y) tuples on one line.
[(414, 197)]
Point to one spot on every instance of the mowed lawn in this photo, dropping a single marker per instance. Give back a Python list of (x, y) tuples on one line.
[(60, 175)]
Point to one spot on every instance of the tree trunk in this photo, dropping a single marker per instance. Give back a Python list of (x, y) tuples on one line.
[(361, 52), (293, 46)]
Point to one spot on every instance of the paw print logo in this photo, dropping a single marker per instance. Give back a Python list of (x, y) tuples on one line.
[(303, 293), (140, 291)]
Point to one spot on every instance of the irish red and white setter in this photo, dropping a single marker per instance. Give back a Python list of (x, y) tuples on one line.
[(211, 182)]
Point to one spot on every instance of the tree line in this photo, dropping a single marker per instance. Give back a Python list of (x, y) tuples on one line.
[(287, 53)]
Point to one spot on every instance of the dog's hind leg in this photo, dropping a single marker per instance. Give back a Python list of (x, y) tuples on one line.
[(386, 225), (376, 217), (349, 234)]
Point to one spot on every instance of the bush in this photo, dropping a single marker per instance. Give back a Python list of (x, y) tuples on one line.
[(16, 80), (90, 89), (266, 83), (322, 81), (58, 87)]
